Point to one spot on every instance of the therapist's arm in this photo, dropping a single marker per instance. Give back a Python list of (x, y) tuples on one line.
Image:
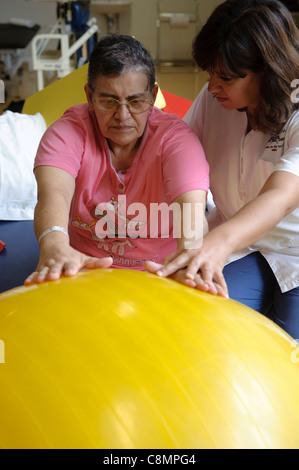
[(55, 192), (189, 230), (278, 197)]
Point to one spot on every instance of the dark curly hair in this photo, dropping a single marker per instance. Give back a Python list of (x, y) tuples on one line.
[(116, 54), (257, 36)]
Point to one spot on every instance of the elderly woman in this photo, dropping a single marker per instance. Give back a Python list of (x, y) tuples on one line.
[(247, 118), (106, 166)]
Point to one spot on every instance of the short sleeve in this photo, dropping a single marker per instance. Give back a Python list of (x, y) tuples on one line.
[(62, 144), (185, 167)]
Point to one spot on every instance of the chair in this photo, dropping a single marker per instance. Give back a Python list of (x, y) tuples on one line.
[(13, 39)]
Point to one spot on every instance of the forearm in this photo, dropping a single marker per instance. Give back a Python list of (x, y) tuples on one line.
[(57, 257), (55, 191), (278, 198), (214, 219), (259, 216), (47, 216)]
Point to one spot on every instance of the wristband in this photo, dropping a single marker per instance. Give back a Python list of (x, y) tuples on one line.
[(55, 228)]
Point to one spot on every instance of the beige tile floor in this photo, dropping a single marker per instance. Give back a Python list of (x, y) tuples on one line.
[(182, 81)]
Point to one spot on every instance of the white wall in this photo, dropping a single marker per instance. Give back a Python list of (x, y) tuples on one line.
[(175, 43), (140, 21), (42, 13)]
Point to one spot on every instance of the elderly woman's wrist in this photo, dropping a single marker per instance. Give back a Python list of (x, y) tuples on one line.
[(52, 234)]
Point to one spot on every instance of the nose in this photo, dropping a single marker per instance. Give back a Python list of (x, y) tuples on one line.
[(214, 84), (122, 113)]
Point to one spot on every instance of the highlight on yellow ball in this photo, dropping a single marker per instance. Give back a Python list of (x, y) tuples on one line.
[(120, 359)]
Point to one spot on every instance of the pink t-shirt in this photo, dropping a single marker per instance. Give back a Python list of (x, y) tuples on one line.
[(116, 213)]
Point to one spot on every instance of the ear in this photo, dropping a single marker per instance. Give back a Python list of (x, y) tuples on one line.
[(155, 92), (88, 93)]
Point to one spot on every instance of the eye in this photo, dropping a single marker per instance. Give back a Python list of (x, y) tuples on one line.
[(136, 102), (226, 78), (107, 103)]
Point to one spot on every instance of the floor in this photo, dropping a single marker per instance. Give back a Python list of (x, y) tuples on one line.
[(182, 81)]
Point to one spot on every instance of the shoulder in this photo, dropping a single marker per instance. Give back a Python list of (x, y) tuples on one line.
[(73, 123), (164, 125), (70, 129), (293, 123), (291, 131), (158, 116), (78, 114)]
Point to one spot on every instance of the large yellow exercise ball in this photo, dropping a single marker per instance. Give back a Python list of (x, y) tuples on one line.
[(121, 359)]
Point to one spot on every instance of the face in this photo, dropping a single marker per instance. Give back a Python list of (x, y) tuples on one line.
[(235, 92), (120, 127)]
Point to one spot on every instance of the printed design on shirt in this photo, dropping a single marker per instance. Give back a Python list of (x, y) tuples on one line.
[(113, 229), (276, 141)]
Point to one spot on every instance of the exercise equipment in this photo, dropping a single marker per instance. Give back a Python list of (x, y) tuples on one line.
[(121, 359), (76, 34)]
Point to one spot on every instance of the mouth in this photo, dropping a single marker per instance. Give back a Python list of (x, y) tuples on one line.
[(220, 99), (122, 128)]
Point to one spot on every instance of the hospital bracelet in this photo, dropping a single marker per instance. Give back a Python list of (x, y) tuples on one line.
[(55, 228)]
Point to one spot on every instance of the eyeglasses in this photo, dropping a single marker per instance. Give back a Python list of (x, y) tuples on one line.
[(134, 106)]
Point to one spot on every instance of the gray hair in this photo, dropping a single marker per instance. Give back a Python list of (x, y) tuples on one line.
[(116, 54)]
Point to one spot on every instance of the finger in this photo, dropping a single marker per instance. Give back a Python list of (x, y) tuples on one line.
[(180, 277), (95, 263), (178, 263), (199, 283), (58, 269), (54, 274), (215, 281), (49, 273), (30, 279), (212, 288), (193, 268), (170, 257), (152, 267), (37, 276), (220, 280), (207, 282)]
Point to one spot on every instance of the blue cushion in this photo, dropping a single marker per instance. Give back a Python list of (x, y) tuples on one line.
[(20, 256)]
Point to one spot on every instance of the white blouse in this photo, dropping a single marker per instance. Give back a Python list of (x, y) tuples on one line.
[(240, 164)]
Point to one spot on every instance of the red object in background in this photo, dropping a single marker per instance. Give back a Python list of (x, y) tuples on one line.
[(176, 104), (2, 245)]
